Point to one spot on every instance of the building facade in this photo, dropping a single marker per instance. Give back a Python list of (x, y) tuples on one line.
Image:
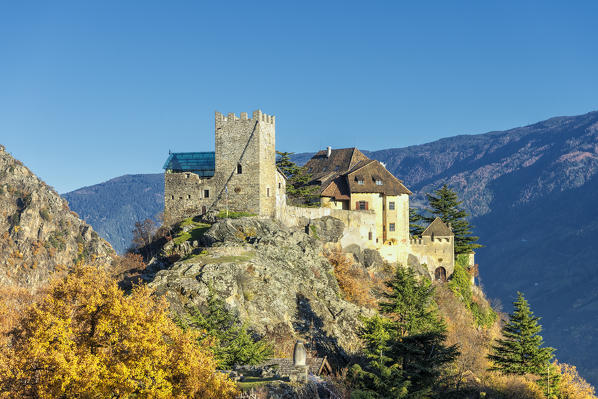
[(241, 175)]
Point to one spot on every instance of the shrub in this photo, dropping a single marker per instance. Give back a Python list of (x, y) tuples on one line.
[(45, 214), (460, 284), (354, 283)]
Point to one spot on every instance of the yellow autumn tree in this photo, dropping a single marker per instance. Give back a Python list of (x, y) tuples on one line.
[(87, 339), (572, 385)]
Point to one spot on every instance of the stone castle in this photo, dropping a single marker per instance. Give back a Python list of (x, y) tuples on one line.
[(241, 175)]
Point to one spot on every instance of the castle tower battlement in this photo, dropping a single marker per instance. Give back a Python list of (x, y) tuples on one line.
[(257, 115)]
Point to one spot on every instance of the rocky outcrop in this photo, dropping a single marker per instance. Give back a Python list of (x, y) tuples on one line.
[(39, 234), (275, 278)]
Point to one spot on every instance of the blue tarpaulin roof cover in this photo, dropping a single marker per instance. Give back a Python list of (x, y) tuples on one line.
[(201, 163)]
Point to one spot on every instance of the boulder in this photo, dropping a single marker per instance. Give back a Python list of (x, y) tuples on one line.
[(327, 229)]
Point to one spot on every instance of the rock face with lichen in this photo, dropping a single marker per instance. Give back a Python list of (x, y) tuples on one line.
[(39, 234), (275, 278)]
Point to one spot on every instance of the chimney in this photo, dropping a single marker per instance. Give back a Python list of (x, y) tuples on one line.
[(328, 151)]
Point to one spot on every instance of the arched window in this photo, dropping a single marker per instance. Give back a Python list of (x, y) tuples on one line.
[(239, 169)]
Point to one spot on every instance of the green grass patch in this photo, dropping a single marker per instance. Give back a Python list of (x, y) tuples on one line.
[(254, 382), (193, 234), (233, 215)]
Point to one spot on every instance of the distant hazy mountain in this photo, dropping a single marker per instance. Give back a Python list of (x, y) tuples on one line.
[(113, 207), (532, 192)]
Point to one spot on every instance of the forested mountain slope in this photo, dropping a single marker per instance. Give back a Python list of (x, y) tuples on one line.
[(114, 206), (532, 193)]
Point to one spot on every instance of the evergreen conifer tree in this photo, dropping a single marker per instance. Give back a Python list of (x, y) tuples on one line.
[(298, 189), (415, 228), (445, 205), (521, 350), (234, 343), (409, 303), (405, 351)]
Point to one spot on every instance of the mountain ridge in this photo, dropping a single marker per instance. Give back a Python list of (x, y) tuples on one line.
[(530, 192)]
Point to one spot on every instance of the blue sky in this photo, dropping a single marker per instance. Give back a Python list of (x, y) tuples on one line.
[(93, 90)]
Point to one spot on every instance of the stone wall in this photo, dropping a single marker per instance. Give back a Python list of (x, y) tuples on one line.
[(185, 195), (435, 252), (245, 177), (358, 224), (245, 162)]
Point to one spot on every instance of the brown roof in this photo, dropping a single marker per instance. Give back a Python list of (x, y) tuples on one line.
[(337, 189), (340, 161), (369, 173), (339, 174), (438, 228)]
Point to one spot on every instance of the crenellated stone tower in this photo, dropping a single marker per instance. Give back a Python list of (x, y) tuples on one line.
[(241, 175), (246, 162)]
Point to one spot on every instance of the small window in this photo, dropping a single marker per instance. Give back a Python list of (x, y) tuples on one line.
[(279, 186), (206, 193), (370, 236), (391, 206), (188, 196), (362, 205), (391, 227), (360, 182), (180, 198), (239, 169), (267, 191), (379, 182), (172, 196), (186, 175), (324, 169)]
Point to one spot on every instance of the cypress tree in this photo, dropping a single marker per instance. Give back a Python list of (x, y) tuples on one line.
[(445, 205), (521, 350)]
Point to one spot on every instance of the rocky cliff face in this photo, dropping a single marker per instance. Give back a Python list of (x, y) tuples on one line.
[(39, 234), (275, 278)]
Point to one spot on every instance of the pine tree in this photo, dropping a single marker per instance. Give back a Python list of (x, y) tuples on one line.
[(410, 303), (415, 228), (550, 381), (405, 350), (521, 350), (234, 344), (445, 205), (299, 191)]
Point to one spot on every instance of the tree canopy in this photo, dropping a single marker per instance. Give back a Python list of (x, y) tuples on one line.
[(405, 350), (445, 204), (234, 345), (521, 350), (86, 338), (299, 191)]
